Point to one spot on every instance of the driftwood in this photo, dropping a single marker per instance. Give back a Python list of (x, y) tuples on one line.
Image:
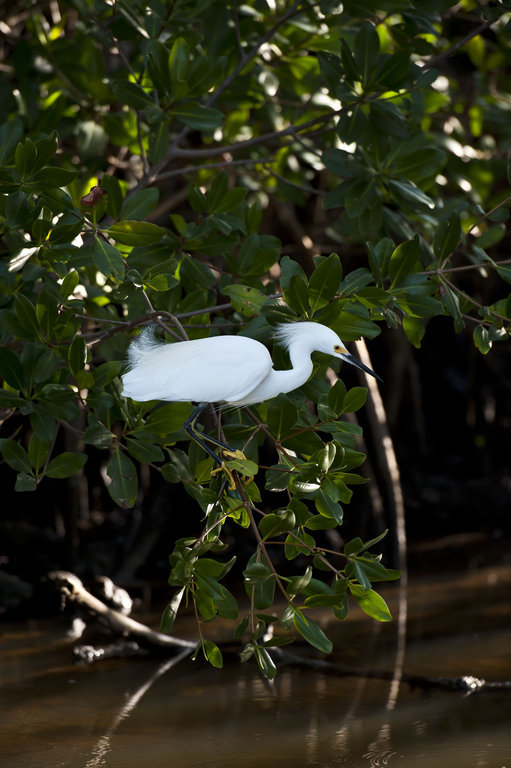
[(137, 637)]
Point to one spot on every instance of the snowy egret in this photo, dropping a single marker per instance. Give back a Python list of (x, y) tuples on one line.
[(235, 370)]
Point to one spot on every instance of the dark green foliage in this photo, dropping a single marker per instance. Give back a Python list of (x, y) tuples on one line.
[(112, 114)]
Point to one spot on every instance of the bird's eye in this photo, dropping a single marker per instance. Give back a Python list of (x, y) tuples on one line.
[(337, 348)]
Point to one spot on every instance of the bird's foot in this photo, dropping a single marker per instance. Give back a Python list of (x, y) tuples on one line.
[(237, 454), (224, 468)]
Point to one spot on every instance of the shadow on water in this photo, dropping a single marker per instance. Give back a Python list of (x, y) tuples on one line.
[(141, 712)]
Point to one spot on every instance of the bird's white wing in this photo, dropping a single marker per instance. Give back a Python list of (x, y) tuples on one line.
[(219, 368)]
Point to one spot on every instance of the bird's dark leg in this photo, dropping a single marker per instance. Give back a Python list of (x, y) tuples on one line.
[(195, 435), (200, 438)]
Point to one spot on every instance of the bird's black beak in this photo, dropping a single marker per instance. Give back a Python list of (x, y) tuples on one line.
[(358, 364)]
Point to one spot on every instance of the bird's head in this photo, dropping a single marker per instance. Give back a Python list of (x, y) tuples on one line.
[(319, 338)]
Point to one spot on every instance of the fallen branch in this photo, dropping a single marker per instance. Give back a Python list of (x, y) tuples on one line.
[(466, 684), (73, 590)]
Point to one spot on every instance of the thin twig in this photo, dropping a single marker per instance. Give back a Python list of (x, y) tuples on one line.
[(431, 63), (209, 166)]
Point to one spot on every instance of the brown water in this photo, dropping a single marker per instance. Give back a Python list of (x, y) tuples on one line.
[(141, 714)]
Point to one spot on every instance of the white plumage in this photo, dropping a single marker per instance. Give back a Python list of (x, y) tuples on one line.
[(226, 369)]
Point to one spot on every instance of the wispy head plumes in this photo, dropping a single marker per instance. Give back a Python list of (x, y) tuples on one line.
[(288, 333)]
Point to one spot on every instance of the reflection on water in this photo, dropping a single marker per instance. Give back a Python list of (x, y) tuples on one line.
[(142, 713)]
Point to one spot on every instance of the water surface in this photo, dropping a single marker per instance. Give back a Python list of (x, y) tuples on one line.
[(139, 713)]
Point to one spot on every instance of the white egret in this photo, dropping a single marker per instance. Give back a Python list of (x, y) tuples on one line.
[(235, 370)]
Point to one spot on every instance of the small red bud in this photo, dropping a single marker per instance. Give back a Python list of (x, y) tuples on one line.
[(93, 197)]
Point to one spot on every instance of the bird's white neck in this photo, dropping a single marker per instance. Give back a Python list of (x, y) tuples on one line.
[(278, 382)]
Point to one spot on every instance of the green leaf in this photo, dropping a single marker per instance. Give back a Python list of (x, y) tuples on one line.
[(320, 523), (409, 194), (293, 547), (11, 132), (447, 236), (404, 260), (375, 570), (354, 546), (231, 200), (212, 654), (161, 282), (491, 236), (481, 339), (17, 211), (15, 456), (224, 602), (38, 451), (113, 188), (328, 508), (311, 632), (273, 524), (168, 418), (419, 306), (361, 576), (415, 328), (366, 51), (77, 354), (451, 302), (26, 314), (501, 214), (170, 612), (245, 298), (265, 662), (106, 373), (10, 369), (324, 282), (65, 233), (504, 272), (256, 255), (25, 482), (217, 191), (144, 451), (415, 162), (25, 158), (157, 57), (354, 399), (388, 118), (179, 65), (54, 177), (282, 416), (243, 466), (136, 232), (355, 281), (140, 204), (351, 69), (97, 434), (277, 478), (394, 70), (371, 603), (124, 486), (66, 464), (108, 259), (296, 295), (256, 572), (336, 395), (196, 116), (132, 94)]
